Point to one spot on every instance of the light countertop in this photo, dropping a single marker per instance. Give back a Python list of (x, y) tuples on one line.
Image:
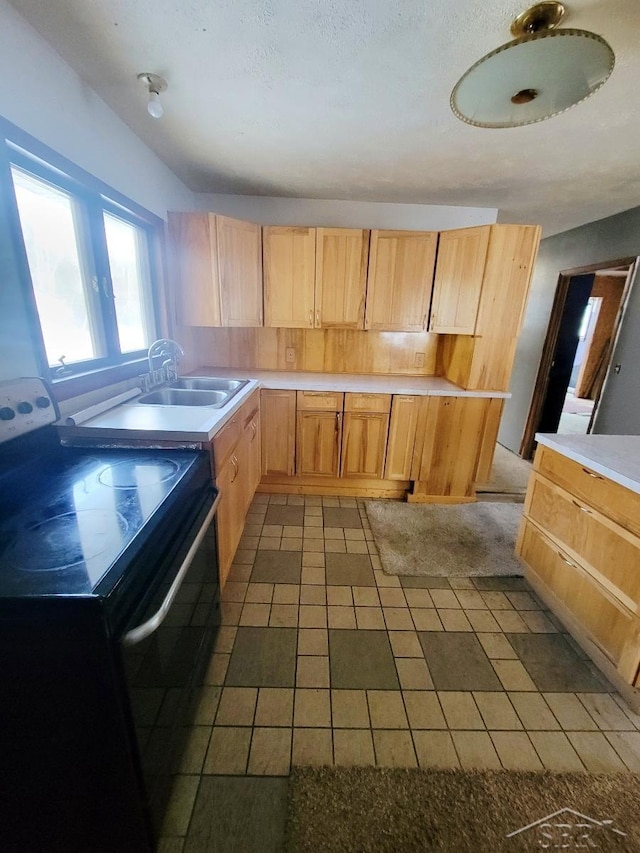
[(616, 457)]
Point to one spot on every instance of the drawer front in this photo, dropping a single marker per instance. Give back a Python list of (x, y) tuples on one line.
[(229, 436), (610, 553), (610, 626), (367, 403), (319, 401), (611, 499)]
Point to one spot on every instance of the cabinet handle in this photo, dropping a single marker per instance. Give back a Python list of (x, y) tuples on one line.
[(580, 507), (338, 419), (567, 560), (591, 474), (311, 317), (255, 430), (234, 462), (318, 318)]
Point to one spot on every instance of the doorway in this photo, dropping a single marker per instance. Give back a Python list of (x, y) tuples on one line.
[(577, 352)]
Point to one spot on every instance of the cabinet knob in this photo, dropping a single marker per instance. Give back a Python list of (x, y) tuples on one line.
[(318, 318), (311, 317)]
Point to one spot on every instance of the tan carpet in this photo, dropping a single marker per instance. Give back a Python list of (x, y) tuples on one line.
[(460, 540), (509, 474), (374, 810)]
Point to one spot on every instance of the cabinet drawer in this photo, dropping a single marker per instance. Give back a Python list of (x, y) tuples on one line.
[(609, 625), (319, 401), (367, 403), (229, 436), (619, 503), (610, 553)]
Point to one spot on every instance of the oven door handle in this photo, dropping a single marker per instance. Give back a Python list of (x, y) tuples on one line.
[(140, 632)]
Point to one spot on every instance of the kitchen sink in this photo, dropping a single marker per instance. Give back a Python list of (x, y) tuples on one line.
[(186, 397), (206, 383)]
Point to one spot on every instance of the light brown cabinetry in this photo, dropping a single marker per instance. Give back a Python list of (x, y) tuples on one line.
[(364, 439), (319, 433), (217, 265), (584, 559), (278, 417), (341, 277), (402, 436), (457, 285), (400, 280), (289, 263)]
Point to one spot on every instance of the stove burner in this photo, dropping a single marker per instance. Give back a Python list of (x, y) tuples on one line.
[(67, 540), (139, 472)]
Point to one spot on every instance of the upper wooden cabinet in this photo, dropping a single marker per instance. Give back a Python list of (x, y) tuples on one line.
[(289, 257), (457, 286), (341, 277), (217, 268), (400, 280)]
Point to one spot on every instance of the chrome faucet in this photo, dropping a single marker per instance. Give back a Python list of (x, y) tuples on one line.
[(172, 352)]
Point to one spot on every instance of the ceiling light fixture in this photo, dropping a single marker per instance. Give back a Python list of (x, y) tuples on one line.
[(155, 84), (541, 73)]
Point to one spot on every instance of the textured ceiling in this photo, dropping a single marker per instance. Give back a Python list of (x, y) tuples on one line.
[(350, 100)]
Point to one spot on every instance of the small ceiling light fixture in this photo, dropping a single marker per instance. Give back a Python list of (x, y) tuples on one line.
[(541, 73), (155, 84)]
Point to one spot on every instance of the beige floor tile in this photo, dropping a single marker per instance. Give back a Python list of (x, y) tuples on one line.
[(392, 597), (394, 749), (516, 751), (386, 709), (476, 751), (276, 500), (537, 622), (249, 542), (633, 716), (418, 598), (435, 749), (570, 712), (595, 751), (370, 618), (312, 709), (357, 547), (230, 612), (313, 532), (259, 593), (312, 747), (217, 669), (627, 745), (252, 528), (470, 599), (382, 579), (180, 806), (376, 565), (272, 530), (283, 616), (426, 619), (292, 531), (313, 641), (445, 599), (405, 644), (228, 751), (312, 671), (496, 601), (275, 707), (312, 510), (255, 615), (313, 545), (313, 560), (365, 596), (339, 596), (372, 548), (291, 543), (413, 674), (556, 752), (606, 713), (313, 594), (335, 546), (398, 619), (313, 520), (313, 575), (234, 591), (237, 706), (270, 753), (513, 675), (242, 565), (497, 711), (205, 712), (195, 749), (510, 621), (354, 535), (225, 639), (353, 748), (350, 709), (461, 583), (341, 617), (312, 616), (482, 621), (334, 533), (269, 543), (330, 501), (534, 712), (460, 710), (454, 620), (497, 646), (423, 710), (523, 601)]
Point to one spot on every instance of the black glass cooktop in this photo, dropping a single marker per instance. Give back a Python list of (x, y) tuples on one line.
[(66, 523)]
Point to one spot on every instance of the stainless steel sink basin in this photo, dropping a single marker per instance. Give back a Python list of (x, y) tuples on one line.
[(185, 397), (208, 383)]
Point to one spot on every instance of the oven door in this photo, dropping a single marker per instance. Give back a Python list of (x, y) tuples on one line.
[(165, 649)]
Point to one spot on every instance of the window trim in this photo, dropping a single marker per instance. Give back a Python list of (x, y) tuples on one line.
[(23, 151)]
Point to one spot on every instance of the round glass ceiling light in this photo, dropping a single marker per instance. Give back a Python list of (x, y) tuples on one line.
[(538, 75)]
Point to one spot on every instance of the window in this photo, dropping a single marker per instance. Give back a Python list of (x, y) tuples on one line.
[(90, 265)]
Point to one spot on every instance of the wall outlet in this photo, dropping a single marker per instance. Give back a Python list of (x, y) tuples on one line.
[(418, 359), (290, 356)]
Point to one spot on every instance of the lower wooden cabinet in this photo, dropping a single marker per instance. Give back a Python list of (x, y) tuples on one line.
[(319, 436), (402, 436), (278, 417), (364, 440)]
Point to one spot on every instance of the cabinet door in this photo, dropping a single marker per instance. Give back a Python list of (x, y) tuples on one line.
[(230, 515), (402, 436), (193, 253), (400, 280), (254, 454), (363, 444), (458, 280), (318, 443), (341, 277), (289, 256), (278, 433), (240, 271)]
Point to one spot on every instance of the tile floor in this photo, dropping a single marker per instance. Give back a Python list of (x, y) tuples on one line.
[(324, 659)]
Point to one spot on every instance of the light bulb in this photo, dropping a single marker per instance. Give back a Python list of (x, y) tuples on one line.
[(154, 106)]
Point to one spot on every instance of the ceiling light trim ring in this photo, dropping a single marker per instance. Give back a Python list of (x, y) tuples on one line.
[(552, 33)]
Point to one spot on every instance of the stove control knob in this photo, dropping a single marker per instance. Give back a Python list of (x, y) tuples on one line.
[(24, 408), (43, 402), (7, 414)]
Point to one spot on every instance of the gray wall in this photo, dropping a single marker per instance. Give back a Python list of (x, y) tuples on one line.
[(605, 240)]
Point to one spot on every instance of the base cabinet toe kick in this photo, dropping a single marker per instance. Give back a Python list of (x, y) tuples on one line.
[(579, 541)]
